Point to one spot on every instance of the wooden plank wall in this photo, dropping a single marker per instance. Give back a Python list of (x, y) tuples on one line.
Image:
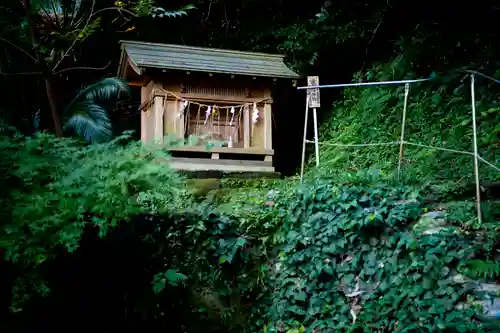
[(147, 114), (164, 119)]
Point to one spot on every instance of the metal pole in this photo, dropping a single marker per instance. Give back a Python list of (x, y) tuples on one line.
[(403, 125), (361, 84), (316, 141), (304, 142), (474, 138)]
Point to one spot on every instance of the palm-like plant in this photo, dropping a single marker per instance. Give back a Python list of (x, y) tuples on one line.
[(56, 29), (87, 114)]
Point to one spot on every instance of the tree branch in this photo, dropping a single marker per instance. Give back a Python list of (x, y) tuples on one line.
[(21, 73), (372, 38), (76, 39), (18, 47), (31, 22), (91, 15), (120, 10), (82, 68), (49, 87)]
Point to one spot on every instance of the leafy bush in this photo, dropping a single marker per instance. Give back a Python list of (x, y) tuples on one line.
[(270, 256), (201, 261), (351, 264), (439, 114), (58, 188), (206, 270)]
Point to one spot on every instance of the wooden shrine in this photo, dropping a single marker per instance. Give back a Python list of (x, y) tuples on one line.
[(218, 101)]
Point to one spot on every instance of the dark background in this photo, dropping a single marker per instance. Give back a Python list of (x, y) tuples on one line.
[(346, 37), (332, 39)]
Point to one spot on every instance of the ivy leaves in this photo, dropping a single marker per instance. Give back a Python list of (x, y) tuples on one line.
[(228, 248), (171, 277), (341, 257), (350, 262)]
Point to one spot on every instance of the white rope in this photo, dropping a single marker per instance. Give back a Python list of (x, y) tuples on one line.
[(355, 144), (212, 113), (180, 98), (395, 143), (488, 163), (439, 148), (402, 142)]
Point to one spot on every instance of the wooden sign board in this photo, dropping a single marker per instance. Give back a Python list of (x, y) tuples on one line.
[(313, 94)]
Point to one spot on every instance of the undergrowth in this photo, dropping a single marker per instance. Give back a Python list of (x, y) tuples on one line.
[(438, 114), (58, 188), (266, 256), (351, 263)]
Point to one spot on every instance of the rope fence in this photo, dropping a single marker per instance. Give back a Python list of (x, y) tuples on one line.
[(402, 142), (356, 144), (397, 143)]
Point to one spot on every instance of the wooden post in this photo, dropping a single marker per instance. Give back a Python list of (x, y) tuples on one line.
[(144, 119), (246, 127), (175, 117), (172, 114), (158, 116), (181, 119), (268, 127), (147, 114)]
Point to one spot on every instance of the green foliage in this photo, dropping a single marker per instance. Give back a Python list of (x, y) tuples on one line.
[(60, 188), (269, 255), (171, 276), (350, 264), (439, 114), (485, 269), (87, 114), (161, 12), (216, 265), (201, 187), (149, 8), (302, 41), (59, 24)]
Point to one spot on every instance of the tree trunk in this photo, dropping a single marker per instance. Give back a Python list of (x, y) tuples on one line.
[(49, 86), (51, 95)]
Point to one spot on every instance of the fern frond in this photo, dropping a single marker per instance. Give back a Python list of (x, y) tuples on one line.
[(160, 12), (485, 269)]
